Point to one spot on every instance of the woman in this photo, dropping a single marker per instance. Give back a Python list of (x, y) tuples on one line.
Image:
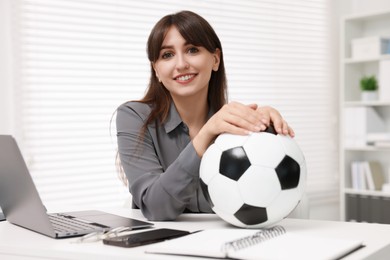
[(162, 137)]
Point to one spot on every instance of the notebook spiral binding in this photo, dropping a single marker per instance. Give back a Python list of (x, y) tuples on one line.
[(258, 237)]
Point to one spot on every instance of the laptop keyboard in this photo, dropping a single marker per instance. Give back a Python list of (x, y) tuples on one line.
[(66, 224)]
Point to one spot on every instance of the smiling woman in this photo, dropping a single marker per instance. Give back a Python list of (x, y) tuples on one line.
[(162, 137)]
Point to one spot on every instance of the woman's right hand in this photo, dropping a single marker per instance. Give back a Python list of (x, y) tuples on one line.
[(233, 118)]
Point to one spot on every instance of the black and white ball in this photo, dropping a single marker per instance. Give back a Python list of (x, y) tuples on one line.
[(253, 181)]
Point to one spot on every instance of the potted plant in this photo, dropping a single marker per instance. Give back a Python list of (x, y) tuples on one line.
[(369, 87)]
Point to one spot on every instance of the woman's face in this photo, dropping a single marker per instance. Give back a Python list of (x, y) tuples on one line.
[(183, 68)]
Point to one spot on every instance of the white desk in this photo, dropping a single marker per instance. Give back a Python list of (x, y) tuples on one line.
[(18, 243)]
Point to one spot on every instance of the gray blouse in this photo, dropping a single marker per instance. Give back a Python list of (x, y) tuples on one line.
[(163, 167)]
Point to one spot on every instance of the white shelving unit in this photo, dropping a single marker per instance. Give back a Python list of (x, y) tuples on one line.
[(377, 203)]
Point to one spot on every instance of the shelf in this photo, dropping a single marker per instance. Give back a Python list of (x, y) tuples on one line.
[(368, 148), (366, 192), (363, 205), (374, 59), (368, 17), (366, 103)]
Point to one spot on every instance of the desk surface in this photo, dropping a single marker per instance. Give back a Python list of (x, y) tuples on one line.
[(19, 243)]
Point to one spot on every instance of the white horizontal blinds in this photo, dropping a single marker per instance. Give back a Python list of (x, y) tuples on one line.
[(81, 59), (279, 53)]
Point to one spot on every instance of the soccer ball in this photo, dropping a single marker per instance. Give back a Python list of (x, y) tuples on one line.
[(253, 181)]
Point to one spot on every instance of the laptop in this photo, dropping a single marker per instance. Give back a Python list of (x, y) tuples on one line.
[(22, 205)]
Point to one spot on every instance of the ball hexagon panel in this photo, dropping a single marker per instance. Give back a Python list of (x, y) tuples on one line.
[(270, 129), (291, 148), (233, 163), (208, 166), (227, 141), (282, 206), (288, 172), (268, 154), (228, 217), (259, 186), (225, 191), (206, 193), (251, 215)]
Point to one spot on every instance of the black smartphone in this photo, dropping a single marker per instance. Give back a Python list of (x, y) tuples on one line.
[(145, 237)]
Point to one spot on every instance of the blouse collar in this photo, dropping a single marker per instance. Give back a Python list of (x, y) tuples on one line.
[(174, 120)]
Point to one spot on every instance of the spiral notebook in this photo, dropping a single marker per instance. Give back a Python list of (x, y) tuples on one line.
[(247, 244)]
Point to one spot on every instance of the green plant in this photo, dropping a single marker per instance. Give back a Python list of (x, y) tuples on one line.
[(368, 83)]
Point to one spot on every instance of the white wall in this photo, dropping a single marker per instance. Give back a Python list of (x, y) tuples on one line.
[(7, 99), (327, 207), (365, 6)]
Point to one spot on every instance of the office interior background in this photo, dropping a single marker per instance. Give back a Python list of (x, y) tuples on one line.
[(66, 65)]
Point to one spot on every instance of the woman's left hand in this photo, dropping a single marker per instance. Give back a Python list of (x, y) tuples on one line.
[(270, 115)]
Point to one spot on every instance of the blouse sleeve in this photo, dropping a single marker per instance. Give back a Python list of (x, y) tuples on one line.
[(161, 195)]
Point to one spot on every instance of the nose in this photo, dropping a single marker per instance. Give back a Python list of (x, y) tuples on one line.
[(181, 62)]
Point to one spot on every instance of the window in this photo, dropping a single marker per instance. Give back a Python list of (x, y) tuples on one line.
[(77, 61)]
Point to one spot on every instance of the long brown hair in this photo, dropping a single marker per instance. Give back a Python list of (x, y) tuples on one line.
[(197, 31)]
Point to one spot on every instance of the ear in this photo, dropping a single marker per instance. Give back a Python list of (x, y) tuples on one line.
[(155, 71), (217, 59)]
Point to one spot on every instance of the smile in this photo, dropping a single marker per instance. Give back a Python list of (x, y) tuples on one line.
[(187, 77)]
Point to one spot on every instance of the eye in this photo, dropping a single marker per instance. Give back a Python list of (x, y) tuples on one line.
[(193, 50), (167, 55)]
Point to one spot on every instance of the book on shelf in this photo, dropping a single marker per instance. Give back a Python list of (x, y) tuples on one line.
[(358, 176), (367, 208), (247, 244), (355, 175), (367, 175), (374, 175), (352, 207), (359, 123)]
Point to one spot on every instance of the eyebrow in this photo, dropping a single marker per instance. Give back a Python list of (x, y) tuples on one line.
[(166, 47), (163, 47)]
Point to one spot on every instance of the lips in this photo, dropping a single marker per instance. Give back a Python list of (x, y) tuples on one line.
[(185, 78)]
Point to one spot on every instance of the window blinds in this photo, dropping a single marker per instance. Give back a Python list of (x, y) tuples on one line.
[(80, 59)]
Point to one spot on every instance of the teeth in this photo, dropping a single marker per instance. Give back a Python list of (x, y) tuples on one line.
[(186, 77)]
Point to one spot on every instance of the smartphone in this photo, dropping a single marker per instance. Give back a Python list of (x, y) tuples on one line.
[(145, 237)]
